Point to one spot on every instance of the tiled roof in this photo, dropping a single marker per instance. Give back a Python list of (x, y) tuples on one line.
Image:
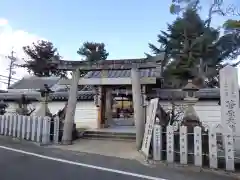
[(82, 95), (163, 94), (34, 82), (57, 96), (120, 73), (166, 94), (178, 94)]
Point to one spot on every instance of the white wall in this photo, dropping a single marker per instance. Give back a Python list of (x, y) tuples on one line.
[(85, 115), (13, 106), (209, 112)]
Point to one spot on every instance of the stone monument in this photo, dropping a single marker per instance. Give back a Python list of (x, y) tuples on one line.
[(229, 94)]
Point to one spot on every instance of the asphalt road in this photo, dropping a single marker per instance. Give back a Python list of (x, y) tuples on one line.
[(21, 160)]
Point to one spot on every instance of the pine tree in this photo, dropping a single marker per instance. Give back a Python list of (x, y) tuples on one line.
[(93, 52), (194, 50), (41, 54)]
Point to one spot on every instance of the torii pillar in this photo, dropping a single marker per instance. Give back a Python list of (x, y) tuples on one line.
[(71, 108), (138, 108)]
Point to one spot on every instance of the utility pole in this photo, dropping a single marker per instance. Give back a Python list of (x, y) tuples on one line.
[(11, 67)]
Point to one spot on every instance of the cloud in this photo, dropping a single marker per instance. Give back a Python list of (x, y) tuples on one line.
[(3, 22), (13, 39)]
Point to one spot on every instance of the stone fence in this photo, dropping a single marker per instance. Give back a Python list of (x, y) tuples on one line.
[(43, 130)]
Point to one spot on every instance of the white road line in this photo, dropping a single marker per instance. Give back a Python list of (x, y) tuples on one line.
[(82, 164)]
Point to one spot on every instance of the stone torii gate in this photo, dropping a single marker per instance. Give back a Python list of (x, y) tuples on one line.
[(134, 65)]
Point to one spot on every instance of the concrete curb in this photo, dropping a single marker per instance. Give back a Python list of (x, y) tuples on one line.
[(196, 169), (23, 141)]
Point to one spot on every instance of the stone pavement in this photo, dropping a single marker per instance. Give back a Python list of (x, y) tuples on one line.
[(114, 148)]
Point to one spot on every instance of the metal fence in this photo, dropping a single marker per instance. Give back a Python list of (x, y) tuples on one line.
[(44, 130)]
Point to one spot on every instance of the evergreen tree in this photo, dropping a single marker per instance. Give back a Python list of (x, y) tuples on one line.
[(194, 50), (93, 52), (41, 54)]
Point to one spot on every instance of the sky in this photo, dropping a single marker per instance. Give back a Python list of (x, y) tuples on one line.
[(126, 27)]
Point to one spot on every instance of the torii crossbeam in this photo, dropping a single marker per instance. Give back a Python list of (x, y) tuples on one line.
[(145, 63)]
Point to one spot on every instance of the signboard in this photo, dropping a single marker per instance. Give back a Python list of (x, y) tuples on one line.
[(97, 96), (151, 115)]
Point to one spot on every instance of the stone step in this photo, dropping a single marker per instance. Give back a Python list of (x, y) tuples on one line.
[(109, 135), (109, 138)]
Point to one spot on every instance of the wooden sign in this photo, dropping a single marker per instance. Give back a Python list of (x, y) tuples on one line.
[(151, 115), (98, 96)]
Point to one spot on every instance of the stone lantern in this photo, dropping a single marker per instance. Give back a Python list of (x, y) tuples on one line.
[(190, 91), (23, 105), (3, 107), (44, 99), (190, 117)]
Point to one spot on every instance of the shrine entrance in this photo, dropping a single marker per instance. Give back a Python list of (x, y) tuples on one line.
[(116, 106), (122, 111), (136, 73)]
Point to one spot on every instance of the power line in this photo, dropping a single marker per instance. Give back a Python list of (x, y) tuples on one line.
[(3, 56), (3, 82), (7, 77)]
